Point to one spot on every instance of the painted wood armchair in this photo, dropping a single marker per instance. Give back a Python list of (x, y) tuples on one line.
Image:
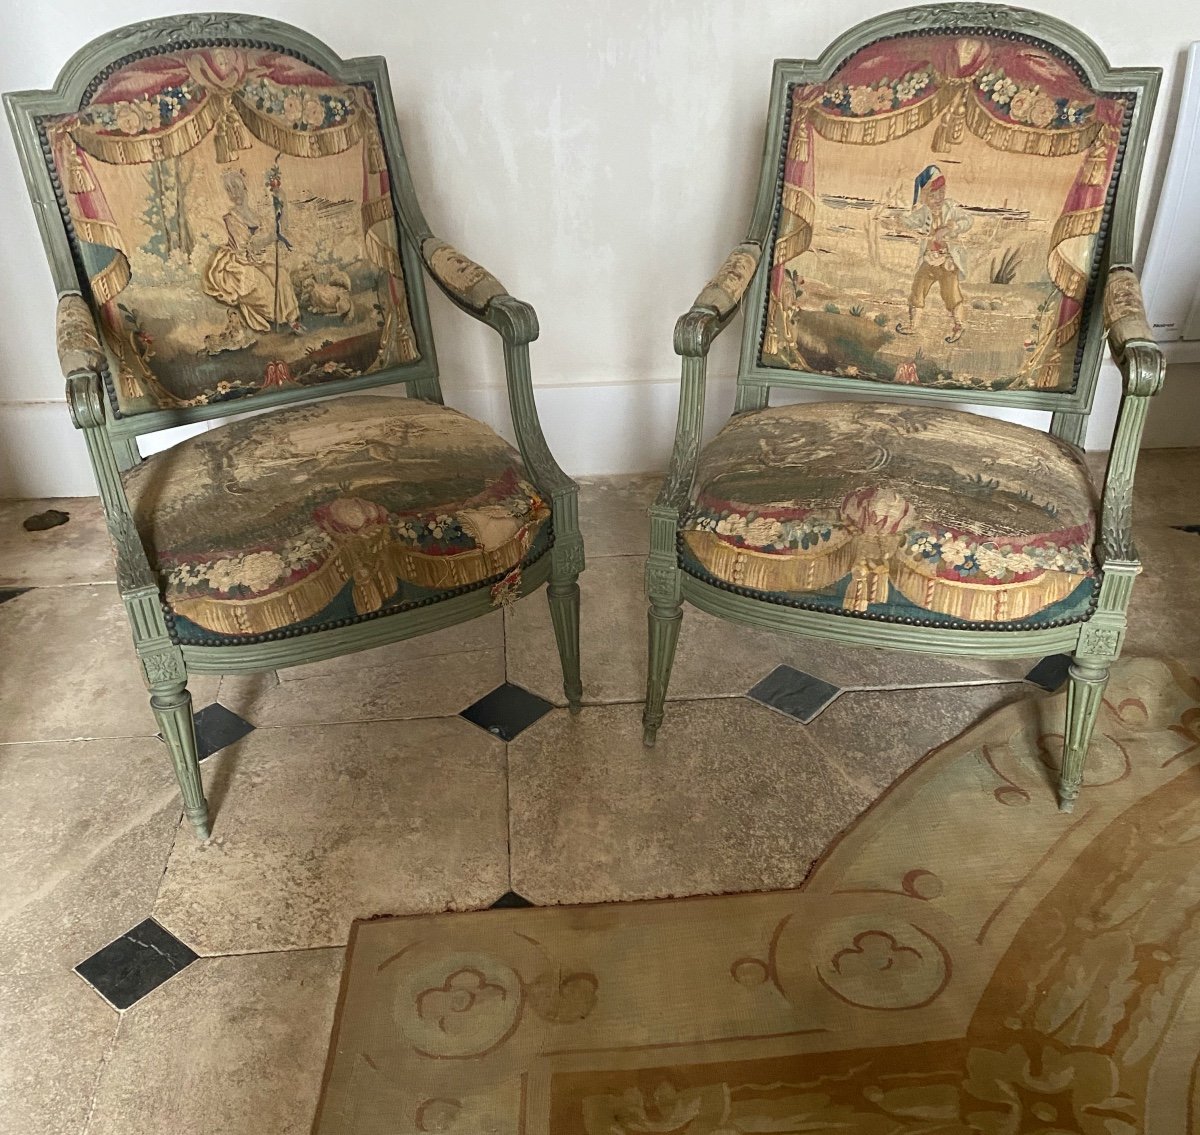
[(231, 226), (945, 215)]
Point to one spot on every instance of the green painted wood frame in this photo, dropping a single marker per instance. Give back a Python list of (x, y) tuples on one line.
[(1094, 643), (111, 439)]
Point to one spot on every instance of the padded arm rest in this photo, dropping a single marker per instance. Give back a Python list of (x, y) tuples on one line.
[(1124, 310), (474, 287), (718, 300), (78, 341), (725, 290)]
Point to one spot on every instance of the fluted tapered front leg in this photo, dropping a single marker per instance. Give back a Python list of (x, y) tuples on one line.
[(172, 705), (564, 613), (1086, 691), (664, 634)]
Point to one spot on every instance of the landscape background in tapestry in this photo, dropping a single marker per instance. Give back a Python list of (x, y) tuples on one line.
[(849, 249), (248, 267)]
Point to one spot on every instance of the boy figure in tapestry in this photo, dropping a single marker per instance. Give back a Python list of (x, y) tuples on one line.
[(941, 260)]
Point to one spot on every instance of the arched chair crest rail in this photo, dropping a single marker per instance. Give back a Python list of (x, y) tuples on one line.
[(231, 225), (945, 215)]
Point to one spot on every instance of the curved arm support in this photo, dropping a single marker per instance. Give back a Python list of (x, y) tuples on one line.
[(85, 400), (695, 331), (1142, 372), (477, 292)]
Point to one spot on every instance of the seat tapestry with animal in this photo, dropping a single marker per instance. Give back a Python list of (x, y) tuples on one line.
[(944, 216), (231, 226)]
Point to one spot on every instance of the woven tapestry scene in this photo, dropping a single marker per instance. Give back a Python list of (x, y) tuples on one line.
[(786, 917), (332, 511), (938, 215), (231, 209), (896, 512)]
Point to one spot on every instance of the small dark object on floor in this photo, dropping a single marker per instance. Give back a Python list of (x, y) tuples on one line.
[(136, 963), (795, 693), (506, 711), (510, 900), (1051, 673), (40, 521), (217, 727)]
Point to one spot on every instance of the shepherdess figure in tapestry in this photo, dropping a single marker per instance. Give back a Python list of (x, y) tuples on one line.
[(233, 212), (1015, 154), (240, 273)]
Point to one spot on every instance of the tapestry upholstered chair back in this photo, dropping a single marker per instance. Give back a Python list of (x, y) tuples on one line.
[(231, 210), (231, 226), (940, 209), (944, 215)]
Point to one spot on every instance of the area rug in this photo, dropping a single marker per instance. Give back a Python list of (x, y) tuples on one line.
[(965, 960)]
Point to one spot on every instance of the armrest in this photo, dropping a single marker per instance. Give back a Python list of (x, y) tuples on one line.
[(695, 330), (1142, 371), (1125, 311), (475, 290), (85, 400), (76, 336), (717, 302)]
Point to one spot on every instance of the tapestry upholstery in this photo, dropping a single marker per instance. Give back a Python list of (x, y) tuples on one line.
[(896, 512), (231, 210), (939, 216), (271, 520)]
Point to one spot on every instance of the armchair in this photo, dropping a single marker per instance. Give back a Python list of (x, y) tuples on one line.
[(231, 226), (945, 211)]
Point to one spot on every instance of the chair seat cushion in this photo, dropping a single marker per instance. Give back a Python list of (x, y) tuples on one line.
[(279, 519), (897, 512)]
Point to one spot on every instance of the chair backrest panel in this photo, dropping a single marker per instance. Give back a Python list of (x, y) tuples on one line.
[(941, 203), (230, 213)]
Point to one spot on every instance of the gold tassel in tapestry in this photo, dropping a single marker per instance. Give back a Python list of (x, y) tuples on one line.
[(79, 178)]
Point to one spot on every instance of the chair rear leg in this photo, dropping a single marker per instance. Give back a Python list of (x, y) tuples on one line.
[(1089, 676), (664, 634), (564, 613), (172, 705)]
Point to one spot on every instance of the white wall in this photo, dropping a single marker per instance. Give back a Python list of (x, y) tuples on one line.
[(600, 156)]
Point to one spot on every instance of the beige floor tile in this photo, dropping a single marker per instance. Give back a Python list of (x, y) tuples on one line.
[(75, 552), (87, 829), (230, 1045), (874, 736), (70, 670), (613, 513), (732, 798), (318, 826), (486, 633), (58, 1033), (417, 687), (715, 658)]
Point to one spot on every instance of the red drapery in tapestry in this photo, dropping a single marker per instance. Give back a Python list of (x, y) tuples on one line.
[(163, 106)]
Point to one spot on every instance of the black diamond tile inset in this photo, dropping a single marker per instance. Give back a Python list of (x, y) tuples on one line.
[(795, 693), (1187, 528), (510, 900), (7, 593), (124, 971), (1051, 672), (507, 710), (217, 727)]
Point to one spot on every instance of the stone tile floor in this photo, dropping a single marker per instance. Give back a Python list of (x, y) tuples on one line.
[(358, 787)]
